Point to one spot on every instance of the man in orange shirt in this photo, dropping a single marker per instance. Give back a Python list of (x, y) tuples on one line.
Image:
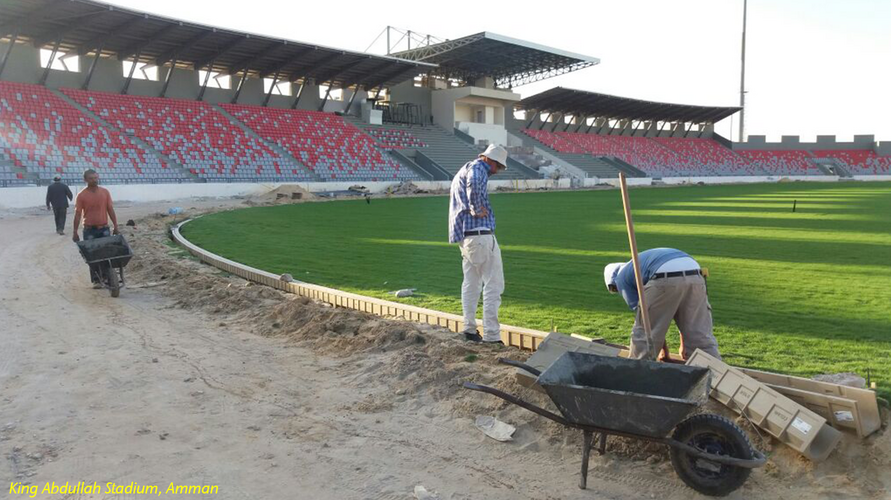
[(94, 205)]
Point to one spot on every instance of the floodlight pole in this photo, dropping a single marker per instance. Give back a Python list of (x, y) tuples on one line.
[(742, 77)]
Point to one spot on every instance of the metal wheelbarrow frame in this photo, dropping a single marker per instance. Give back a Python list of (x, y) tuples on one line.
[(598, 431)]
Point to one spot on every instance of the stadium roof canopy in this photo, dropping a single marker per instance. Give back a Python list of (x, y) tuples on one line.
[(593, 104), (85, 26), (511, 62)]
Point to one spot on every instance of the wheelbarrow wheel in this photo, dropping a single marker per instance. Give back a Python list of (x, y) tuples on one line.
[(717, 435), (114, 283)]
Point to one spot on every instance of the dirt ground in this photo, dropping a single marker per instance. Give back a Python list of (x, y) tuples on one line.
[(196, 377)]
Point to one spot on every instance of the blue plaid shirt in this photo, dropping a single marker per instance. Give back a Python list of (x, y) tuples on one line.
[(469, 194)]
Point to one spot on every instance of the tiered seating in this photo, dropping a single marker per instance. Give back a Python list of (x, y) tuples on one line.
[(194, 134), (641, 152), (390, 138), (8, 177), (795, 162), (555, 141), (42, 133), (709, 157), (332, 148), (860, 161)]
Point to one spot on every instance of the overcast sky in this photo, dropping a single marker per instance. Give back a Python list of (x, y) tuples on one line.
[(813, 66)]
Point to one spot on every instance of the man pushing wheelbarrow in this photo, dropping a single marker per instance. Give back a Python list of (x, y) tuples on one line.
[(106, 252)]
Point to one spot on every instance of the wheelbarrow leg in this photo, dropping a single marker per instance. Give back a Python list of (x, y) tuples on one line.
[(602, 448), (586, 453)]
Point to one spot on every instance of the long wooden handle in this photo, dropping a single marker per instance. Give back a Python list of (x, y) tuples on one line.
[(635, 260)]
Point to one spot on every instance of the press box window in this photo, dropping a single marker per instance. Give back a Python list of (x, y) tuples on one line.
[(62, 62)]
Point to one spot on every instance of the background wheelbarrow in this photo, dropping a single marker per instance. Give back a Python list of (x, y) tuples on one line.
[(644, 400), (109, 254)]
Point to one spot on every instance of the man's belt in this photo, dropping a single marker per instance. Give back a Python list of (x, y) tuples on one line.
[(675, 274), (96, 227), (477, 232)]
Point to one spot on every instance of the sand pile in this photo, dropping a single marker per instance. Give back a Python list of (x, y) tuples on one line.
[(284, 194)]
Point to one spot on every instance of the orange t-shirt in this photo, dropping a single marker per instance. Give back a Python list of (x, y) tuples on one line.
[(94, 205)]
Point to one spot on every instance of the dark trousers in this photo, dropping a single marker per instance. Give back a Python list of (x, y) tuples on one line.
[(61, 214), (91, 233)]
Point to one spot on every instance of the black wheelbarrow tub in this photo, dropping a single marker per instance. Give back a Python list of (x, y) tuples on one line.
[(626, 395), (110, 248)]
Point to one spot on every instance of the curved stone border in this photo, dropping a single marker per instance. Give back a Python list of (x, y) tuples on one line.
[(523, 338)]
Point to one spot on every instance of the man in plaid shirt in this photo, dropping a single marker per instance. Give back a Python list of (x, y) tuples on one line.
[(472, 227)]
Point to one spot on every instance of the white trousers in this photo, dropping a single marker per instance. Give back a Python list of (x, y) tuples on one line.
[(484, 272)]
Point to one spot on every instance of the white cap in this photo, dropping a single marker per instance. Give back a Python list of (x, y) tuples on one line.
[(610, 272), (496, 153)]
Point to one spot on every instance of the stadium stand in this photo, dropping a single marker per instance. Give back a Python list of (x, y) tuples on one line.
[(859, 161), (44, 135), (194, 134), (330, 147), (794, 162), (393, 138), (714, 158)]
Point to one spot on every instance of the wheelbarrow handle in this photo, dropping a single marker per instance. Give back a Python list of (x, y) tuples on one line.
[(524, 366), (519, 402)]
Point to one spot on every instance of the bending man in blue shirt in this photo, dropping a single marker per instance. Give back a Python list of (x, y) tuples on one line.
[(472, 227), (675, 289)]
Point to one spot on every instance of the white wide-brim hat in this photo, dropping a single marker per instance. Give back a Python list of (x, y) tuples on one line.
[(611, 271), (496, 153)]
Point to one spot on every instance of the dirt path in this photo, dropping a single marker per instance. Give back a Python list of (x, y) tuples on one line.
[(203, 380)]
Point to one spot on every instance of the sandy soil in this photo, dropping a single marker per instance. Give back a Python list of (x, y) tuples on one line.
[(196, 377)]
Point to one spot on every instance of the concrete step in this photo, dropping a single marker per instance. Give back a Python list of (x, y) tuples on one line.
[(284, 153), (177, 166)]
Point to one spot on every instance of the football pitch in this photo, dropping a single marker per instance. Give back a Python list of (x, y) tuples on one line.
[(801, 292)]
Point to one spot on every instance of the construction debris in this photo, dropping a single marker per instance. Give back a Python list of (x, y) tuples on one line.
[(796, 426), (404, 188), (494, 428), (421, 493)]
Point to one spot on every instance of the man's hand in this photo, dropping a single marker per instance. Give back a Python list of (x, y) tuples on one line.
[(75, 238), (482, 212), (48, 207), (115, 231)]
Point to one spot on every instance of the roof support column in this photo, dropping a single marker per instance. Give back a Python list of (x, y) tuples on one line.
[(635, 128), (557, 122), (206, 81), (132, 71), (325, 100), (580, 123), (299, 94), (12, 40), (593, 122), (350, 104), (51, 60), (567, 124), (240, 86), (168, 78), (532, 120), (271, 89), (93, 64), (543, 122)]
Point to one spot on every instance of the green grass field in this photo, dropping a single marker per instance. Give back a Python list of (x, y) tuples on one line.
[(801, 293)]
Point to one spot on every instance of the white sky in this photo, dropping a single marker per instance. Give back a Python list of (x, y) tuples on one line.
[(813, 66)]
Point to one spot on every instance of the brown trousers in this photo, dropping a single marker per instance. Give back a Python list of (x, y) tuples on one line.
[(685, 300)]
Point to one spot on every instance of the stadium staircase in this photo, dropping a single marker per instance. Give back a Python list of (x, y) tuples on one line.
[(590, 165), (445, 150), (284, 153), (182, 173)]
